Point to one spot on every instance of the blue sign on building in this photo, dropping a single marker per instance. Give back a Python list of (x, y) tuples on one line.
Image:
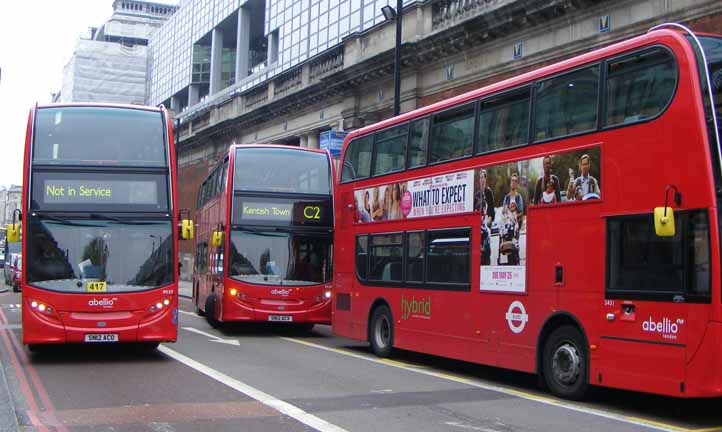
[(333, 141), (518, 50), (604, 24)]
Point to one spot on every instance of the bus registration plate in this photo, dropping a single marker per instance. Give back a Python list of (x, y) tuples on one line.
[(101, 337), (286, 318)]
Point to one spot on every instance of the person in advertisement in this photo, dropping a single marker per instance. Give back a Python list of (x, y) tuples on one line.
[(377, 210), (588, 184), (512, 221), (365, 211), (395, 209), (485, 202), (541, 190)]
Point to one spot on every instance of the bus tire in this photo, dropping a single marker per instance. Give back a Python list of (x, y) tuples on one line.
[(381, 331), (211, 311), (199, 312), (565, 362)]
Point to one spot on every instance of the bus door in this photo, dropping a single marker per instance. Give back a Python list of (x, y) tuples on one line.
[(654, 310)]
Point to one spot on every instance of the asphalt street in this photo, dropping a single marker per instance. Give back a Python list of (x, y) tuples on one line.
[(271, 378)]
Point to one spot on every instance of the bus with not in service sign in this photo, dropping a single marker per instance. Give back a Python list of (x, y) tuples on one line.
[(264, 243), (564, 222), (99, 237)]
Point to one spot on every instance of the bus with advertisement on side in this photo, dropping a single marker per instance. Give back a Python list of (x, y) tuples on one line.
[(564, 222), (264, 243), (99, 226)]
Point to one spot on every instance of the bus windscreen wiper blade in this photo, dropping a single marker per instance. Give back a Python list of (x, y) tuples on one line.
[(118, 220), (62, 220)]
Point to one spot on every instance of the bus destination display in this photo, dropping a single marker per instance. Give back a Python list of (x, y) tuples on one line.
[(298, 213), (56, 191)]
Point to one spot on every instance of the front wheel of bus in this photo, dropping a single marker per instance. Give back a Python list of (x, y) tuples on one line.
[(211, 311), (565, 363), (381, 331)]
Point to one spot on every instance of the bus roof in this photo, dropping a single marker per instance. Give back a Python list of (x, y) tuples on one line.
[(528, 77), (282, 146), (98, 105)]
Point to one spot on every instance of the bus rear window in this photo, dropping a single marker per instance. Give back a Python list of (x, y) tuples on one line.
[(99, 136)]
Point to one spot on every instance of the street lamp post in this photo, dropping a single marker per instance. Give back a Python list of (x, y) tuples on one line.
[(397, 14)]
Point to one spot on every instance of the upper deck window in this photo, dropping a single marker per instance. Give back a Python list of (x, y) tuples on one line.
[(281, 170), (639, 87), (357, 159), (99, 136), (566, 104), (391, 149), (452, 135), (504, 121)]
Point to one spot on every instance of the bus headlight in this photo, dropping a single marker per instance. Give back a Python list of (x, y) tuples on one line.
[(327, 294), (234, 292)]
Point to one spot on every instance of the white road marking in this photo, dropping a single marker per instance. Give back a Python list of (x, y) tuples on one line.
[(212, 337), (266, 399), (470, 427), (11, 327), (190, 314), (505, 390)]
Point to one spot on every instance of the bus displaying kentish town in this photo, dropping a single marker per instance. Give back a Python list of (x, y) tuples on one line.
[(98, 222), (264, 244), (564, 222)]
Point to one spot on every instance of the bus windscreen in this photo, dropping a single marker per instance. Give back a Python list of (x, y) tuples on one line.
[(99, 136), (281, 170)]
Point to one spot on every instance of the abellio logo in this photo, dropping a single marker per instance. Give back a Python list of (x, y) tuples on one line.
[(281, 292), (104, 302), (416, 308), (666, 327)]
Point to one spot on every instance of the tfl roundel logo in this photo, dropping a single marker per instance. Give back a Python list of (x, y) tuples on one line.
[(516, 317)]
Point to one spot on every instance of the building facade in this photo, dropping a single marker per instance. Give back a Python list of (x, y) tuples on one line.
[(329, 64), (10, 199), (110, 65)]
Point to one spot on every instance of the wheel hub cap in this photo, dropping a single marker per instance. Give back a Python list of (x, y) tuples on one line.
[(566, 364)]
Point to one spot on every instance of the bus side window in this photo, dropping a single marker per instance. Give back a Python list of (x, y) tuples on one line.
[(566, 104), (362, 255), (504, 121), (452, 134), (639, 87), (418, 143), (357, 159), (390, 149)]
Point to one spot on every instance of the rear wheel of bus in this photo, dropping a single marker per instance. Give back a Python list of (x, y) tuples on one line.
[(381, 331), (210, 311), (565, 362)]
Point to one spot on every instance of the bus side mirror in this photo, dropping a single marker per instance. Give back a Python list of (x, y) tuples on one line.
[(187, 229), (664, 221), (13, 232), (217, 238)]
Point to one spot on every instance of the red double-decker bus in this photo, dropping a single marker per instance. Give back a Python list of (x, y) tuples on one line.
[(99, 237), (564, 222), (264, 244)]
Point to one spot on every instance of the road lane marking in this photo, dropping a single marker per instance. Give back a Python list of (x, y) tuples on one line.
[(266, 399), (213, 338), (10, 327), (651, 424), (189, 314)]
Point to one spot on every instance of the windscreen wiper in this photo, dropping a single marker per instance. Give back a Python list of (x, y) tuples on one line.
[(63, 220), (118, 220)]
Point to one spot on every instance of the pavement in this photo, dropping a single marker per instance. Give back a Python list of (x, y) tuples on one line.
[(8, 419)]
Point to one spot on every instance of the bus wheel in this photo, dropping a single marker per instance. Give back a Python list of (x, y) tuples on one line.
[(381, 331), (199, 312), (211, 311), (565, 363)]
